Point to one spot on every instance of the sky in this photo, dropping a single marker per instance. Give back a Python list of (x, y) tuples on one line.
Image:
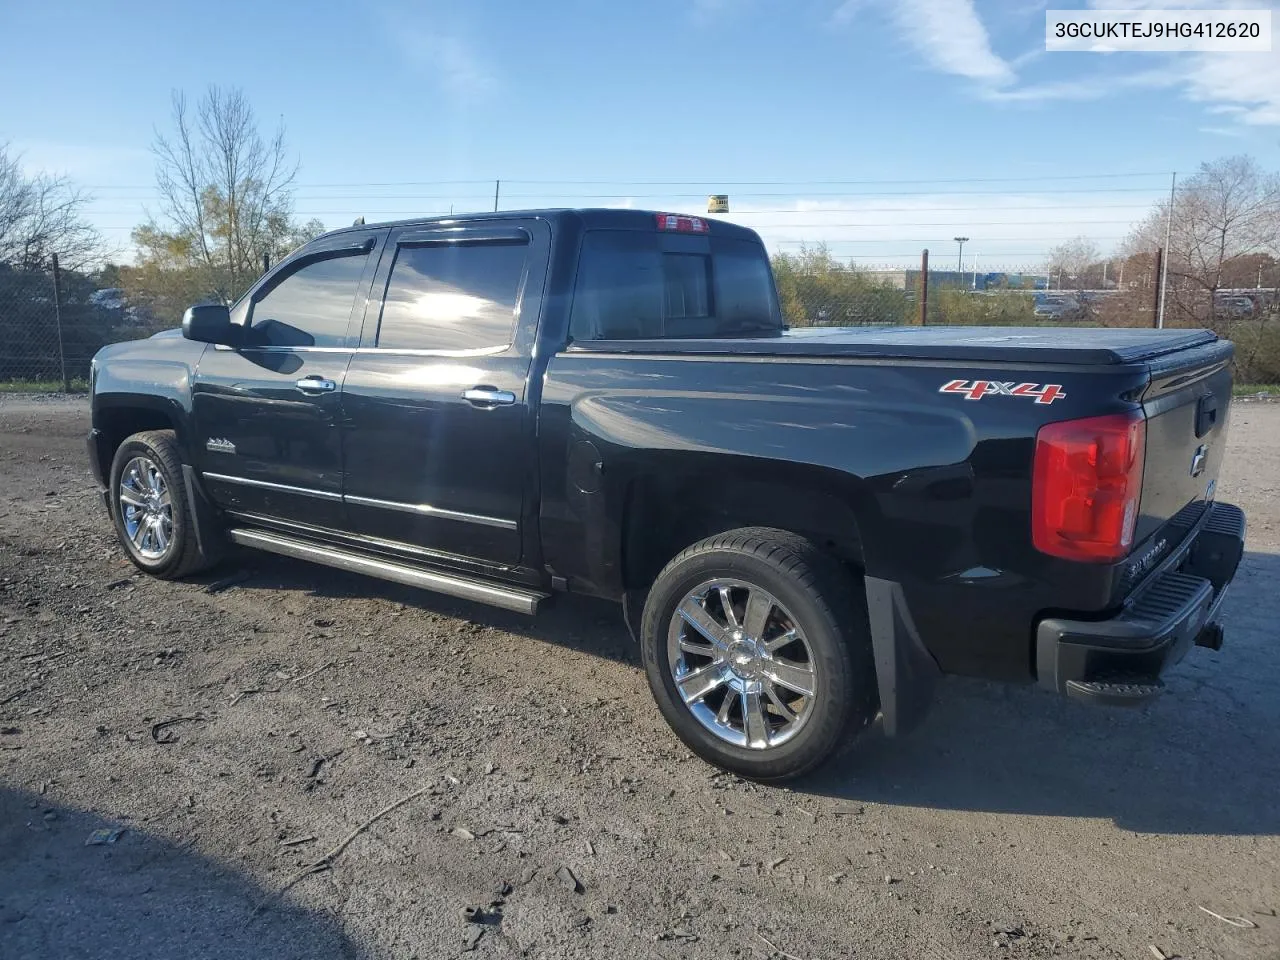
[(876, 126)]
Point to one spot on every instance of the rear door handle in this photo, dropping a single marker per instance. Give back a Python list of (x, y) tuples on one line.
[(484, 396), (315, 385)]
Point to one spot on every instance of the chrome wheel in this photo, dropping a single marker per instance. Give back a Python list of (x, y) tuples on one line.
[(741, 664), (146, 508)]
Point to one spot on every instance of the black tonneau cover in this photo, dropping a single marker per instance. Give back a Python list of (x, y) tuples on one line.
[(1075, 346)]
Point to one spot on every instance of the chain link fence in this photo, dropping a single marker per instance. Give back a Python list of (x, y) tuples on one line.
[(818, 290), (52, 322)]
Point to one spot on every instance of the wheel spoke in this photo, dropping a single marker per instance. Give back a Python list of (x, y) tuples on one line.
[(699, 649), (722, 716), (781, 640), (697, 617), (131, 497), (759, 606), (698, 684), (139, 534), (771, 692), (726, 601), (754, 720), (160, 534), (155, 481), (793, 676)]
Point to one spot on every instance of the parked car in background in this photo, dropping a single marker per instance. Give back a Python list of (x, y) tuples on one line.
[(1234, 307), (1056, 306)]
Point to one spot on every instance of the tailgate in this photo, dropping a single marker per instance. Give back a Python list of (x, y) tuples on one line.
[(1186, 404)]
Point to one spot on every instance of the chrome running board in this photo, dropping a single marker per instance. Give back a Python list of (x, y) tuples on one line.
[(508, 598)]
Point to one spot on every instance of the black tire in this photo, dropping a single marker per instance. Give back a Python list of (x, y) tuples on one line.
[(827, 605), (182, 555)]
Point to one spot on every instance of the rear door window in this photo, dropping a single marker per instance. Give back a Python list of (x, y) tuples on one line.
[(453, 296), (646, 285)]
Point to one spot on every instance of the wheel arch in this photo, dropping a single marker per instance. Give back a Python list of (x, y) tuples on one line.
[(116, 417), (668, 509)]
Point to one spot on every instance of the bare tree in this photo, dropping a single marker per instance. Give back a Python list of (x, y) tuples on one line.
[(42, 215), (1073, 263), (226, 194), (1227, 213)]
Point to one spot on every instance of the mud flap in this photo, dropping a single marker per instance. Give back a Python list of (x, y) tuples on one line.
[(204, 516), (906, 672), (633, 611)]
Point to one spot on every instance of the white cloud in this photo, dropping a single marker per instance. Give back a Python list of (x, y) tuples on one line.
[(1245, 86), (950, 35), (460, 70)]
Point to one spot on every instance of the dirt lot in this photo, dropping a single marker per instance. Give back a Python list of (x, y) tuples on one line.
[(1012, 825)]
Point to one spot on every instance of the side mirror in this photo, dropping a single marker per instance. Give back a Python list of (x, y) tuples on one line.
[(210, 323)]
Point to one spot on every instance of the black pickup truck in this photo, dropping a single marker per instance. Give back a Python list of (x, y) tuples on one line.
[(805, 527)]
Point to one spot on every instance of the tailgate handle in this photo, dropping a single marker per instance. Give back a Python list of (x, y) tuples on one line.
[(1206, 414)]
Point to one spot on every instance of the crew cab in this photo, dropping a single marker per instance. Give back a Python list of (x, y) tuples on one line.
[(805, 528)]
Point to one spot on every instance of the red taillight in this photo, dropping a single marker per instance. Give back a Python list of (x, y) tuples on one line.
[(1086, 485), (678, 223)]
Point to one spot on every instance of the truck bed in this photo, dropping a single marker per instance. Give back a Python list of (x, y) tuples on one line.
[(1074, 346)]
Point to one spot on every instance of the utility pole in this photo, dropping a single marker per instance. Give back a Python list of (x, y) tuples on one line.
[(497, 186), (1164, 267), (924, 286), (57, 319), (960, 257)]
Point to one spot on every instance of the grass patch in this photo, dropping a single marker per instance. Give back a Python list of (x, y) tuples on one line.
[(42, 386), (1250, 389)]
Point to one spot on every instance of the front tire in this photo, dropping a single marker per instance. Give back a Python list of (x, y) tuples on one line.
[(758, 653), (149, 507)]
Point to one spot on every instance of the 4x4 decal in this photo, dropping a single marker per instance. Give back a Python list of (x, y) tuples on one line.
[(977, 389)]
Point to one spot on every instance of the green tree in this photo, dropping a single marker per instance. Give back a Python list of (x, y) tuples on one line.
[(814, 288), (226, 205)]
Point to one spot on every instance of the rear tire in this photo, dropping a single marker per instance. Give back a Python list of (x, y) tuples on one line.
[(149, 507), (758, 653)]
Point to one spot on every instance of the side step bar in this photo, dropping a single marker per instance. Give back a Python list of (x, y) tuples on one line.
[(508, 598)]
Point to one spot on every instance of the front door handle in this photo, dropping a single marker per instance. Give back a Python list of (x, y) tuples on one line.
[(315, 384), (489, 397)]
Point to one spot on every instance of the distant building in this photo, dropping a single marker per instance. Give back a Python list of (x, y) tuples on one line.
[(954, 280)]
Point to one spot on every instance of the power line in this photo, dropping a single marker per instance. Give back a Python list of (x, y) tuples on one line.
[(709, 181)]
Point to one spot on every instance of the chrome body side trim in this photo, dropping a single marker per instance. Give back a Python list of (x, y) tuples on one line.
[(426, 510), (268, 485), (418, 509)]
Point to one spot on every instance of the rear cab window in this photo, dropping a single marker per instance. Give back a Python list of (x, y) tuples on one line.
[(642, 285)]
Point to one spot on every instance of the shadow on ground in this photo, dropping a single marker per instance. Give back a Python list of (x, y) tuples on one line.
[(577, 623), (1205, 758), (139, 897)]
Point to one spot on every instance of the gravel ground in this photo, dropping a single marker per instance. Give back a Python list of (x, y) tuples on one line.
[(547, 792)]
